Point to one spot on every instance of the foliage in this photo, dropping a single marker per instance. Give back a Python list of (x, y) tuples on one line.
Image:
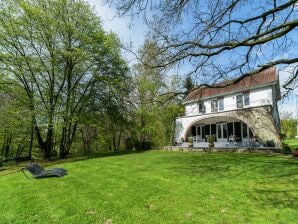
[(58, 53), (175, 188), (286, 149), (288, 126), (188, 83), (293, 143), (211, 139), (67, 89), (153, 114), (15, 132)]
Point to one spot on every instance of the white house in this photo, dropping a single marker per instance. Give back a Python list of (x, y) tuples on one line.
[(242, 113)]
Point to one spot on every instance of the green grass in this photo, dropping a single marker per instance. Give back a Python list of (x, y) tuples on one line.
[(158, 187), (293, 143)]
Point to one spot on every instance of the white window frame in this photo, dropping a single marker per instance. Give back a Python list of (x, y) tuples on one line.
[(247, 131), (246, 94), (242, 95), (200, 107), (239, 95), (221, 130), (223, 102), (216, 104)]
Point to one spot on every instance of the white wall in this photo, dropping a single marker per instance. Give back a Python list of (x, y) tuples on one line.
[(191, 109), (258, 97), (262, 96)]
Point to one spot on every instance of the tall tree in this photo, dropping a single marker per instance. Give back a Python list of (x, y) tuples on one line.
[(153, 114), (57, 51)]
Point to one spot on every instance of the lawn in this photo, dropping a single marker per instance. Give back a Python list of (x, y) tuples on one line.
[(158, 187), (293, 143)]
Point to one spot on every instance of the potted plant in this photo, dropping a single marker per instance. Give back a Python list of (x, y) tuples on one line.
[(211, 140), (190, 141)]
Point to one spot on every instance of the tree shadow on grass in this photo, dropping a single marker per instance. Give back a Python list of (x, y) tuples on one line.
[(255, 173), (13, 169), (275, 198), (235, 165)]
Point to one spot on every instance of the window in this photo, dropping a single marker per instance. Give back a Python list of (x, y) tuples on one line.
[(246, 99), (219, 130), (198, 130), (214, 106), (201, 107), (244, 130), (221, 104), (222, 131), (225, 130), (242, 100), (239, 101)]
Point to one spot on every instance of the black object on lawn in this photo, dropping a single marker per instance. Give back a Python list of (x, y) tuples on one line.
[(38, 171)]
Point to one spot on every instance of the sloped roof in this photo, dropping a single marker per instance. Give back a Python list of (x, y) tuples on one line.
[(267, 76)]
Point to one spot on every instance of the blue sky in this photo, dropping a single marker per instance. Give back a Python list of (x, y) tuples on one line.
[(133, 32)]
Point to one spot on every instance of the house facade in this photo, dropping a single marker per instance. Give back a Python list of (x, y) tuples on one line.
[(243, 113)]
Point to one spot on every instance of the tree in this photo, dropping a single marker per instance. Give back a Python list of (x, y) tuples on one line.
[(188, 83), (16, 133), (288, 125), (223, 38), (57, 51), (153, 114)]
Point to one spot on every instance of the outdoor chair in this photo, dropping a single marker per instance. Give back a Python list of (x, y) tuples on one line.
[(38, 171)]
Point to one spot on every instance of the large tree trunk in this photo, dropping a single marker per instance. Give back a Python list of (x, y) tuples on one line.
[(6, 144), (67, 137), (47, 145), (88, 137), (31, 138)]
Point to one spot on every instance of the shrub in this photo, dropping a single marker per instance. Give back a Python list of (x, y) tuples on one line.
[(211, 139), (283, 136), (286, 149), (190, 140)]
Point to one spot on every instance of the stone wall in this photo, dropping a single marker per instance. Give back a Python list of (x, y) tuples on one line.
[(237, 150)]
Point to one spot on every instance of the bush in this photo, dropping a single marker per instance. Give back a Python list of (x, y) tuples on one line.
[(190, 140), (286, 149), (283, 136), (211, 139)]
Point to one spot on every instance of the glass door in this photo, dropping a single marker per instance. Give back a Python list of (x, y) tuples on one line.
[(200, 133), (222, 132)]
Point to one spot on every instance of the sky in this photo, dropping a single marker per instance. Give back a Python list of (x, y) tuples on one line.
[(130, 33), (133, 33)]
